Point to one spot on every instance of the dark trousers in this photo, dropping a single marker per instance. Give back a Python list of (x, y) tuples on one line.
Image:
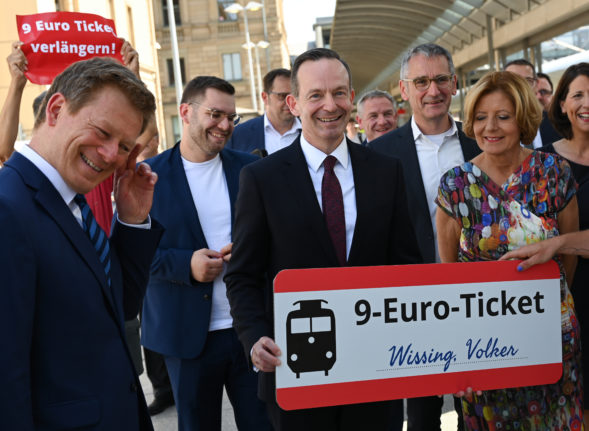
[(423, 414), (155, 365), (198, 386), (385, 416)]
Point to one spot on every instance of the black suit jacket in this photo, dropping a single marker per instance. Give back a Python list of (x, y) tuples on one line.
[(547, 131), (279, 225), (401, 144)]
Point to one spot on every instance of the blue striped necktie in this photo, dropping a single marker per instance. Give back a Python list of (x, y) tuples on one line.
[(96, 234)]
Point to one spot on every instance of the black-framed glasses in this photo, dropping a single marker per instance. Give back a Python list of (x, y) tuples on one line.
[(422, 83), (279, 96), (531, 80), (218, 116), (544, 92)]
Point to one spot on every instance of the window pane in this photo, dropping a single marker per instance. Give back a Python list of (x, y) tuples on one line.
[(300, 326), (227, 68), (236, 66), (225, 16), (321, 324), (170, 67), (176, 12)]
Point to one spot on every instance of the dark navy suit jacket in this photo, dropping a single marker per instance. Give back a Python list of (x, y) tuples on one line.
[(248, 136), (177, 308), (401, 144), (65, 362)]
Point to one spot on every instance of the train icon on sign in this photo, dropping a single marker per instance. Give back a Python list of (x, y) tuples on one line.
[(310, 338)]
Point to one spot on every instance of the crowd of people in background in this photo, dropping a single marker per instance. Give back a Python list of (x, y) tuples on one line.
[(201, 230)]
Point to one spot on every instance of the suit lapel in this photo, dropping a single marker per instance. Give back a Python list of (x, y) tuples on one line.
[(179, 187), (298, 179), (415, 186), (231, 168), (469, 148), (363, 189), (52, 203)]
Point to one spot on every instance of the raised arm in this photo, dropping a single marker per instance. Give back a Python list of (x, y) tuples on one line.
[(9, 116)]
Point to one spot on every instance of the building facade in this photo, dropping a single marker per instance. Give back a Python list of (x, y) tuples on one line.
[(210, 43), (133, 20)]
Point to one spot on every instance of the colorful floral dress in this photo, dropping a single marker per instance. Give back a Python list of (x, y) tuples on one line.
[(495, 219)]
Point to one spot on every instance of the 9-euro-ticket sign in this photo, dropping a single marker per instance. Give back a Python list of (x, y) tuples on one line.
[(54, 40), (364, 334)]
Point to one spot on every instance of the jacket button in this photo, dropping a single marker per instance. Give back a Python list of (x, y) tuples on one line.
[(206, 296), (133, 387)]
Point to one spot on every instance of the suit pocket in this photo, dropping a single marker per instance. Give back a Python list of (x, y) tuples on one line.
[(70, 414)]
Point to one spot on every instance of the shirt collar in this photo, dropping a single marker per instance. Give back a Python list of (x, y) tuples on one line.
[(417, 133), (315, 156), (296, 126), (65, 191)]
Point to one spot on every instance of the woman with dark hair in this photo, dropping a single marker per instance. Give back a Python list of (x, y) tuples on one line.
[(504, 198), (569, 113)]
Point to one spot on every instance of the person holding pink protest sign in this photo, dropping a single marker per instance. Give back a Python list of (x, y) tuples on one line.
[(507, 197)]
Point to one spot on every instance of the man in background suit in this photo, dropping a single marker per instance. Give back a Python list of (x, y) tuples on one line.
[(186, 313), (285, 219), (277, 128), (547, 134), (428, 145), (66, 288)]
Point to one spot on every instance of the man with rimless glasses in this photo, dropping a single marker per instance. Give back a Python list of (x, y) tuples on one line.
[(428, 145), (186, 313), (277, 128)]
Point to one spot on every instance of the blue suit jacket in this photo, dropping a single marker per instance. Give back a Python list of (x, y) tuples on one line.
[(177, 308), (64, 361), (248, 136)]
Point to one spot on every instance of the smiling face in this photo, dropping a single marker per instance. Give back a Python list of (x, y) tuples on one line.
[(86, 147), (324, 102), (430, 107), (576, 105), (203, 137), (378, 117), (495, 127)]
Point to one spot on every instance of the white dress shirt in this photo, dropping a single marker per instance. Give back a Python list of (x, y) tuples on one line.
[(437, 154), (345, 175), (274, 140)]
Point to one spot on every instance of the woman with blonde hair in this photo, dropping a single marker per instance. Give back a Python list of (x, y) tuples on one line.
[(506, 197)]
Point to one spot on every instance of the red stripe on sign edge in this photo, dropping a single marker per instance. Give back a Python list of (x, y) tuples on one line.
[(362, 277), (306, 397)]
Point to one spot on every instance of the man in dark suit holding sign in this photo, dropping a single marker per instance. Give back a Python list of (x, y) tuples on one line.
[(321, 202), (66, 288)]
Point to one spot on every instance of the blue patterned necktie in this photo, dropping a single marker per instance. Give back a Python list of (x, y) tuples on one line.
[(96, 234)]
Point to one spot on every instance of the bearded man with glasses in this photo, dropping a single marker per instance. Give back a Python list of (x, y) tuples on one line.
[(428, 145), (274, 130), (186, 313)]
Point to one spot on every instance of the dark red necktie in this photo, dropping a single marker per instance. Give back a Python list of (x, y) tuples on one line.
[(333, 209)]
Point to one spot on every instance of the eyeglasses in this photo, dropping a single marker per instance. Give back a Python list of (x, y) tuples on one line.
[(545, 92), (531, 80), (218, 116), (422, 83), (279, 96)]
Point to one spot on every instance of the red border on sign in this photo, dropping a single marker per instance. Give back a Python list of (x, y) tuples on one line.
[(362, 277), (305, 397)]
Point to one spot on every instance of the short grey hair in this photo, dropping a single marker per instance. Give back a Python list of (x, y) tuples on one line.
[(428, 50), (374, 94)]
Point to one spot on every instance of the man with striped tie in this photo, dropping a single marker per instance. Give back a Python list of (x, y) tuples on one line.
[(67, 288)]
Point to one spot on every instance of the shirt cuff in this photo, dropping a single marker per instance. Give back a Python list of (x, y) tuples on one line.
[(146, 225)]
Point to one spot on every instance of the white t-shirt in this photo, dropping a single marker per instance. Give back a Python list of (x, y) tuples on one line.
[(211, 198)]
